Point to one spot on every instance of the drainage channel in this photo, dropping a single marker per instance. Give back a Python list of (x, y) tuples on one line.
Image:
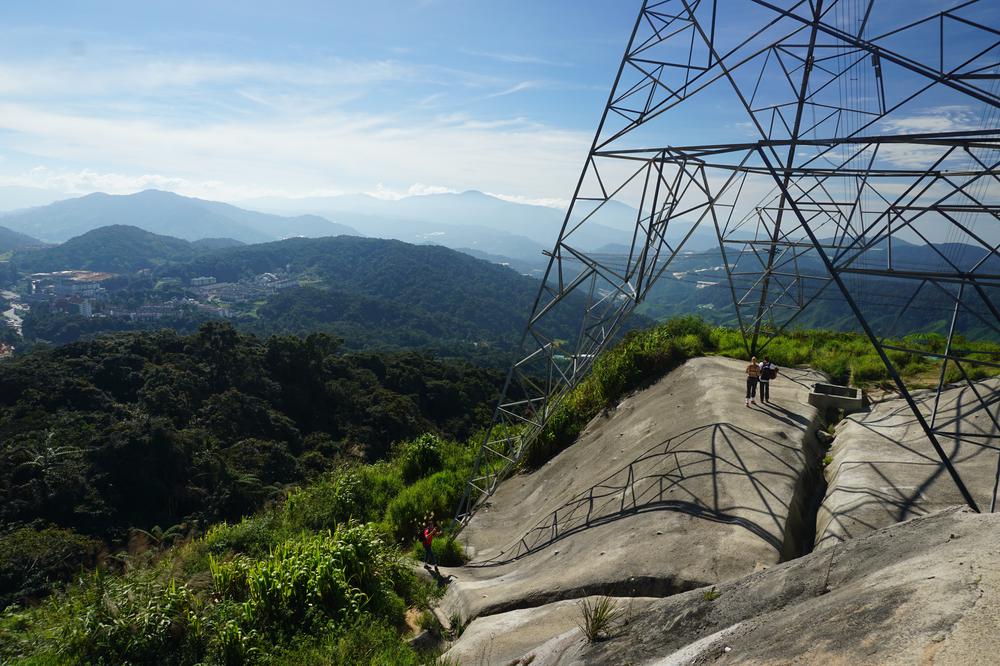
[(810, 489)]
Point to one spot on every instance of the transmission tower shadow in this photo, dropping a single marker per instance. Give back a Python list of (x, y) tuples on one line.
[(676, 475)]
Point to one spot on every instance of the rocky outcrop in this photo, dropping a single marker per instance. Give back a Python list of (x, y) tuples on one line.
[(922, 591), (884, 469), (684, 487), (681, 486)]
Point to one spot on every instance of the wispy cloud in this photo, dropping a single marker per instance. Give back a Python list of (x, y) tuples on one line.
[(517, 58), (122, 120), (935, 119), (349, 152), (949, 118), (415, 190), (516, 88)]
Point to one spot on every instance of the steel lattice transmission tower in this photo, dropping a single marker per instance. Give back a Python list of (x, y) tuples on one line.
[(820, 140)]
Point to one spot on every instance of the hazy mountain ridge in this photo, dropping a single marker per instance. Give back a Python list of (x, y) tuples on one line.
[(518, 230), (165, 213), (14, 240)]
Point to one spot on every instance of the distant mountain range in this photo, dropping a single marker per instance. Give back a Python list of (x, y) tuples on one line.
[(165, 213), (513, 232)]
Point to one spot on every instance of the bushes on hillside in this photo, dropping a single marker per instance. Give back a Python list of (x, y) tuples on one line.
[(420, 457), (310, 581), (320, 584), (358, 493), (30, 559), (433, 497)]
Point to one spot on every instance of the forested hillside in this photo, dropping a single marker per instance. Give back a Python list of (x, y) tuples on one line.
[(13, 240), (115, 248), (372, 293), (157, 429), (381, 291)]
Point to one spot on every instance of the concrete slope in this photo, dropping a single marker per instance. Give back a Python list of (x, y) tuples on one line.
[(681, 486), (884, 469), (925, 591)]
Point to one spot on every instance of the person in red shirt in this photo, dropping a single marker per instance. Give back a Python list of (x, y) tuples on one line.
[(427, 538)]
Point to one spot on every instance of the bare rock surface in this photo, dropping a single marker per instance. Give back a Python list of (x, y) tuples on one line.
[(505, 637), (924, 591), (681, 486), (884, 469)]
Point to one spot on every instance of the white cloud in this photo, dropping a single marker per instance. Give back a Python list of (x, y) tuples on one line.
[(133, 75), (949, 118), (415, 190), (121, 120), (349, 152), (548, 202), (935, 119), (516, 88)]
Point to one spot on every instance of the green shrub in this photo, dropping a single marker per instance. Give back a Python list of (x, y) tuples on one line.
[(421, 457), (32, 560), (312, 582), (867, 368), (254, 536), (360, 493), (448, 551), (639, 359), (434, 497), (368, 642), (599, 618), (136, 620)]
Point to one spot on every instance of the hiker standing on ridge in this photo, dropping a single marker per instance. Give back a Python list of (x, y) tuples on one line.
[(768, 371), (753, 374), (427, 538)]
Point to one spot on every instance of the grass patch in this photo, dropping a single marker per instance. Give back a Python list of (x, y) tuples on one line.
[(600, 618)]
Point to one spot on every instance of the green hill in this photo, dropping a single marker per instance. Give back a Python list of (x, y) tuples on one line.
[(13, 240), (115, 248), (382, 291)]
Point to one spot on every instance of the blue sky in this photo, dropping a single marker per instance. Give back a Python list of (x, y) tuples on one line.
[(234, 99)]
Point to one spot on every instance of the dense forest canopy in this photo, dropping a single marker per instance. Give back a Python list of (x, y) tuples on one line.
[(138, 430)]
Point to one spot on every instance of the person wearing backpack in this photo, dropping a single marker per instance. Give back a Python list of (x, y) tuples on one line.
[(768, 371), (753, 374)]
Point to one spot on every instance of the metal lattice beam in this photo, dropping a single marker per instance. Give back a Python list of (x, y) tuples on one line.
[(822, 168)]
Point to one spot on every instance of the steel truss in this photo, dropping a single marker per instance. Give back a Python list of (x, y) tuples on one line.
[(852, 134)]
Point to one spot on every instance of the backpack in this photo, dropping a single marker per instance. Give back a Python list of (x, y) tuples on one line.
[(769, 371)]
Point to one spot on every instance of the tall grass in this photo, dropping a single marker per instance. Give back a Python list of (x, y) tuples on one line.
[(849, 358)]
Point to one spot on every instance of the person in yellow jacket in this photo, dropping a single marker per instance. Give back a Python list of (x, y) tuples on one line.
[(753, 376)]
